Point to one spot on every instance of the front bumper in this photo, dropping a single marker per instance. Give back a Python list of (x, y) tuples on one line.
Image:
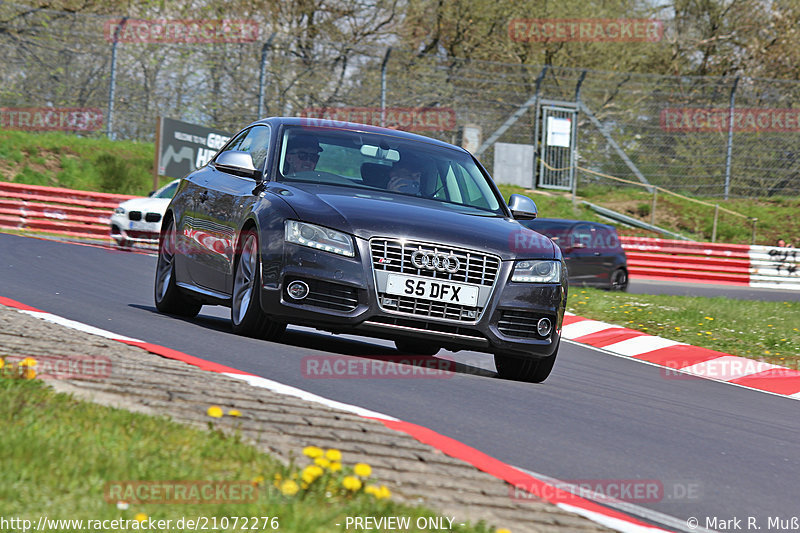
[(343, 299), (124, 230)]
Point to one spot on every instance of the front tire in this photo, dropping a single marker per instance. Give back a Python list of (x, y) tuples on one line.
[(525, 368), (168, 296), (619, 280), (247, 317)]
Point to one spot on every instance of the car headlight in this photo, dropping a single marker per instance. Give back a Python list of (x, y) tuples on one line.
[(320, 238), (537, 271), (119, 211)]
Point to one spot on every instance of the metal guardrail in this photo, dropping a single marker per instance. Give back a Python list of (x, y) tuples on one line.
[(68, 212), (735, 264), (82, 214)]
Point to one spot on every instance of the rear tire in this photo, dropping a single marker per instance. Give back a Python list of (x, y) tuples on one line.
[(417, 347), (247, 318), (524, 368), (168, 296), (619, 280)]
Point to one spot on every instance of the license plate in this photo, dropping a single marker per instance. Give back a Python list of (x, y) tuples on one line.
[(432, 289)]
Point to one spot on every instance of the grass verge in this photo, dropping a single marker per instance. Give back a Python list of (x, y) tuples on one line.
[(767, 331), (59, 453)]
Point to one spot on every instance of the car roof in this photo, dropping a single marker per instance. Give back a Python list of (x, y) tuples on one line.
[(320, 123)]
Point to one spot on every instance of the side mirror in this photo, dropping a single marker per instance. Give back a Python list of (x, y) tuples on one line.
[(151, 193), (522, 207), (239, 163)]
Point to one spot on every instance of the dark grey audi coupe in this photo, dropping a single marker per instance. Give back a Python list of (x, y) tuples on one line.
[(358, 229)]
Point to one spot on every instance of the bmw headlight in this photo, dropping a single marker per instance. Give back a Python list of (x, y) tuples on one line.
[(119, 211), (320, 238), (537, 272)]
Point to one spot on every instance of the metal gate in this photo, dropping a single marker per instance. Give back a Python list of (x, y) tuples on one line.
[(556, 137)]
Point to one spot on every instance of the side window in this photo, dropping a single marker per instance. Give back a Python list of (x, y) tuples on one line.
[(256, 143), (582, 234), (606, 239)]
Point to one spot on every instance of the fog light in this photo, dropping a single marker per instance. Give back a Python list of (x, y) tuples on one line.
[(544, 327), (297, 290)]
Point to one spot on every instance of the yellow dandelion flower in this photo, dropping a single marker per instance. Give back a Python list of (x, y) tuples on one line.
[(708, 318), (383, 493), (767, 351), (351, 483), (289, 488), (503, 530), (258, 480), (708, 333), (28, 362), (677, 328), (322, 461), (311, 472), (140, 517), (313, 452), (2, 362), (29, 373), (214, 411), (333, 455), (234, 412), (362, 470), (335, 466)]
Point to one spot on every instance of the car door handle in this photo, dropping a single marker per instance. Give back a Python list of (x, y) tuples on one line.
[(597, 253)]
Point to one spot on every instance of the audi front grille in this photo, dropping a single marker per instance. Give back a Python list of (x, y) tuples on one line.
[(474, 267), (433, 261)]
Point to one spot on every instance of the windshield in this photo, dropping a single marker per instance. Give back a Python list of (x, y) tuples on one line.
[(385, 163), (168, 191)]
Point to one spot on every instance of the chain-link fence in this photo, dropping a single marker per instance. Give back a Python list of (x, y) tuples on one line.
[(675, 131)]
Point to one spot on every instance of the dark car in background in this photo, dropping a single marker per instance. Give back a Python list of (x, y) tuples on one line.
[(372, 231), (592, 251)]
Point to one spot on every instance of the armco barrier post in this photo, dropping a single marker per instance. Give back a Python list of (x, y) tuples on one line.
[(714, 229), (653, 209)]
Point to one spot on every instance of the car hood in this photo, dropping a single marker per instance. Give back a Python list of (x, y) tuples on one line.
[(151, 205), (368, 214)]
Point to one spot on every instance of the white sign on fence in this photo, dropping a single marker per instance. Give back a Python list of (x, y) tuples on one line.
[(558, 131)]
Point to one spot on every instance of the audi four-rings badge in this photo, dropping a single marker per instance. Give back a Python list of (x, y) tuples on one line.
[(435, 261)]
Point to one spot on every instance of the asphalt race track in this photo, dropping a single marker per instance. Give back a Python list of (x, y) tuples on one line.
[(738, 292), (719, 451)]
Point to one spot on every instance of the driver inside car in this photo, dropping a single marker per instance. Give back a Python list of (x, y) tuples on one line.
[(406, 176), (302, 154)]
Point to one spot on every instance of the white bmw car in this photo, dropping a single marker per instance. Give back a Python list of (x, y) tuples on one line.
[(139, 220)]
